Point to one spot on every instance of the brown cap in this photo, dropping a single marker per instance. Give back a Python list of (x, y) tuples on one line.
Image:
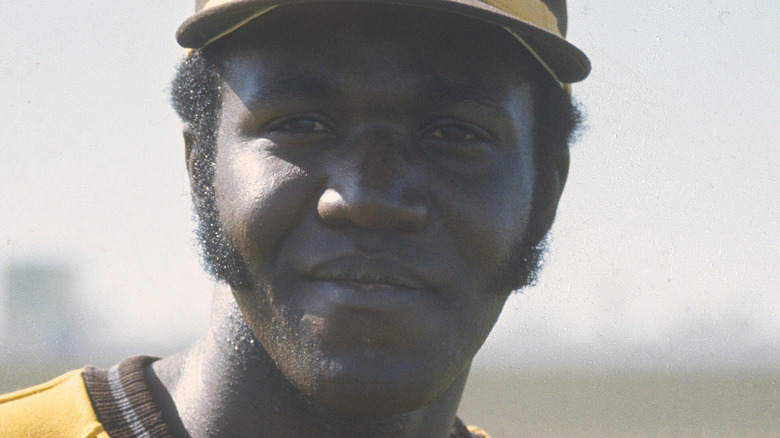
[(540, 25)]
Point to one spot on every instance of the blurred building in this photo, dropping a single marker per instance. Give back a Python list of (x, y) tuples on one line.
[(38, 310)]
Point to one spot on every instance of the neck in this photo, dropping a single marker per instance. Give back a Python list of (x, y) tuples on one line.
[(227, 385)]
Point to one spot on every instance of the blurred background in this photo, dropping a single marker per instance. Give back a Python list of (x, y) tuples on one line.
[(658, 313)]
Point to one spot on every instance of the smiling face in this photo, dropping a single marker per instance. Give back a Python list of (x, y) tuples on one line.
[(374, 172)]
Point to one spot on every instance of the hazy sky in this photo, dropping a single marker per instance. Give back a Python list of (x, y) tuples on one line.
[(667, 244)]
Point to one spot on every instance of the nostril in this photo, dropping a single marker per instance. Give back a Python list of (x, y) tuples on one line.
[(415, 218)]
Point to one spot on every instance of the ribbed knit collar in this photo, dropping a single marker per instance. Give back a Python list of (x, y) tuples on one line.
[(123, 402)]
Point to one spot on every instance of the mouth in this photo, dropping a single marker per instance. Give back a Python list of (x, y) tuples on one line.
[(370, 278), (367, 283)]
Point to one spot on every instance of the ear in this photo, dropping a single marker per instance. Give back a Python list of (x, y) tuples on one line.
[(189, 141), (551, 179), (191, 158)]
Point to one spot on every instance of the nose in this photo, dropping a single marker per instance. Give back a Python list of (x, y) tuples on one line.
[(374, 189)]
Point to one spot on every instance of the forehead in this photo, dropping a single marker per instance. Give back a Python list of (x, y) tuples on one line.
[(378, 41)]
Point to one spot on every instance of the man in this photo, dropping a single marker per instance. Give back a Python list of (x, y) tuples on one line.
[(372, 180)]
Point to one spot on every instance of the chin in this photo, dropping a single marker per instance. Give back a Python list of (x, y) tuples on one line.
[(375, 386)]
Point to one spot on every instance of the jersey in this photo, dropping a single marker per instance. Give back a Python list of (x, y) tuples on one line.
[(97, 403)]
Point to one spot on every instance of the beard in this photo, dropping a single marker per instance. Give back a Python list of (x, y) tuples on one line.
[(219, 256)]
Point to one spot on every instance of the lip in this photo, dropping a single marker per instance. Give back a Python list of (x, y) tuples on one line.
[(367, 282)]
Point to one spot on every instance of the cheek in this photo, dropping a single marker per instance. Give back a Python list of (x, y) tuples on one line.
[(259, 198), (491, 218)]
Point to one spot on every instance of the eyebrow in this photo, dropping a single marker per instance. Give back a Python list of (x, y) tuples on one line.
[(437, 88), (285, 86)]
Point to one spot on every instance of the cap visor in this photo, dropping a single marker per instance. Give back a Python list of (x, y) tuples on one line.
[(568, 62)]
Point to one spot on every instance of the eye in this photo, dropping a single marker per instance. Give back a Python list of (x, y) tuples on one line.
[(460, 146), (298, 132), (455, 131), (303, 124)]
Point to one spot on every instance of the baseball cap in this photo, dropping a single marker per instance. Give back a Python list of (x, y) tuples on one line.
[(540, 25)]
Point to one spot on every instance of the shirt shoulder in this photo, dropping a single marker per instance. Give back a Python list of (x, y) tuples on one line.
[(476, 432), (58, 408), (460, 430)]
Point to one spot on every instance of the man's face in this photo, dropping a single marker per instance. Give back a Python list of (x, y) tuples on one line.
[(374, 172)]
